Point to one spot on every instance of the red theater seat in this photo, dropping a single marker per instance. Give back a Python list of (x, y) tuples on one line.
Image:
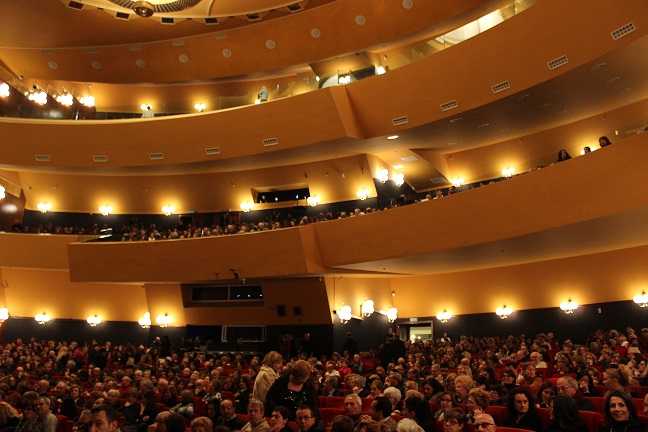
[(598, 403), (499, 413), (592, 419), (510, 429), (328, 414), (64, 424), (331, 401)]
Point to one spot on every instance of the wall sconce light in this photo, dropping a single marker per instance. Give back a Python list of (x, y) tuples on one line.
[(42, 318), (168, 209), (105, 210), (2, 192), (458, 181), (65, 99), (344, 79), (367, 308), (444, 316), (398, 179), (504, 312), (4, 315), (508, 172), (246, 206), (569, 307), (4, 90), (344, 314), (94, 320), (641, 299), (44, 207), (380, 70), (363, 193), (200, 106), (163, 320), (87, 101), (313, 200), (392, 314), (145, 320), (382, 175)]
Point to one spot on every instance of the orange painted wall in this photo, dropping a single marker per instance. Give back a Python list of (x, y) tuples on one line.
[(333, 181), (29, 292), (542, 148), (35, 251)]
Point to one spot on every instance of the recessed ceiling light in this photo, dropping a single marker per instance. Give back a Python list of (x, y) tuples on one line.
[(407, 4), (360, 20), (393, 137), (183, 58), (52, 65), (270, 44), (140, 63), (96, 65), (227, 53), (315, 33)]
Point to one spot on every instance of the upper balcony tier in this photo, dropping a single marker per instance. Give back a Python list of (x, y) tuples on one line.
[(568, 209)]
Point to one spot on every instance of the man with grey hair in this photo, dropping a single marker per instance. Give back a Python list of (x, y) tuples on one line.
[(353, 407), (568, 386), (257, 421), (394, 395)]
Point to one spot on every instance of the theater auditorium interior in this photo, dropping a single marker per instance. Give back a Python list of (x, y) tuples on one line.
[(323, 215)]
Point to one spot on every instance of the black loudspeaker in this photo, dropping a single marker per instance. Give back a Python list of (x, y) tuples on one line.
[(297, 310), (281, 310)]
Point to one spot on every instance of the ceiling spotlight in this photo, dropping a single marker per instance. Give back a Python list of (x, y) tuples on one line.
[(398, 179), (88, 101), (44, 207), (317, 78), (143, 9), (200, 106), (344, 79), (168, 209), (4, 90), (65, 99), (380, 70), (382, 175), (569, 307), (105, 210), (393, 137), (504, 312)]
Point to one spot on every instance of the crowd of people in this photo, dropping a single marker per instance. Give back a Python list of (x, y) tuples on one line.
[(414, 386), (135, 231)]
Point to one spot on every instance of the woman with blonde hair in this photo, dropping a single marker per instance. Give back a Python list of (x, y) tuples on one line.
[(270, 368)]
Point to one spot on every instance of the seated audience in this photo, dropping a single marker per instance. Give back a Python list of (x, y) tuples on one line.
[(522, 411), (278, 420), (257, 422), (620, 414), (565, 416), (293, 390)]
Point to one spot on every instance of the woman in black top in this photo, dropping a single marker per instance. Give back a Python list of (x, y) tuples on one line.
[(620, 414), (522, 410), (293, 391), (565, 416)]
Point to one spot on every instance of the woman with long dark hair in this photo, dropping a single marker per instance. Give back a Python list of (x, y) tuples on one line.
[(565, 416), (522, 410), (620, 415)]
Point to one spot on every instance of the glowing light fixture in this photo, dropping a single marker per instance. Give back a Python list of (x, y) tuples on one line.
[(200, 106), (163, 320), (313, 200), (246, 206), (380, 70), (393, 137), (9, 208), (168, 209), (5, 91), (145, 320), (42, 318), (444, 316), (508, 172), (88, 101), (94, 320), (641, 299), (569, 307), (257, 101), (458, 181), (4, 315), (392, 314), (344, 79), (504, 312), (65, 99), (37, 96), (44, 207), (2, 192), (344, 313), (367, 308), (317, 78), (105, 210), (398, 179), (382, 175), (363, 193), (146, 107)]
